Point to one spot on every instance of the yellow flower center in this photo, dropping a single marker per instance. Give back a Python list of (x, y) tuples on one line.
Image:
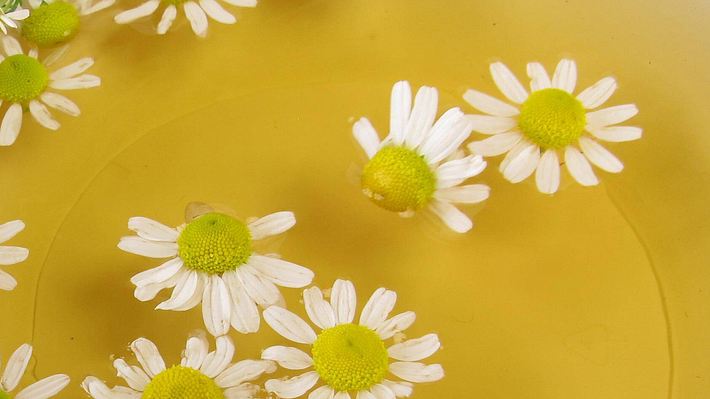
[(215, 243), (22, 78), (350, 357), (4, 395), (398, 179), (552, 118), (51, 23), (180, 382)]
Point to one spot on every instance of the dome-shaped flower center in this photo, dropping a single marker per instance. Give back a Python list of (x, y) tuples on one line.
[(4, 395), (215, 243), (552, 118), (51, 23), (350, 357), (22, 78), (398, 179), (180, 382)]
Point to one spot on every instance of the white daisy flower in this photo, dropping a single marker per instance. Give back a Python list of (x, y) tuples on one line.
[(549, 123), (10, 255), (24, 83), (56, 21), (195, 11), (15, 369), (10, 13), (348, 357), (415, 166), (200, 375), (212, 261)]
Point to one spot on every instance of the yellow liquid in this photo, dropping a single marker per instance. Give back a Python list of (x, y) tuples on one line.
[(592, 293)]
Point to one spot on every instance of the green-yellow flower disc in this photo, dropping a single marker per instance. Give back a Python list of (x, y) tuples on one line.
[(350, 357), (4, 395), (215, 243), (398, 179), (51, 23), (180, 382), (22, 78), (552, 118)]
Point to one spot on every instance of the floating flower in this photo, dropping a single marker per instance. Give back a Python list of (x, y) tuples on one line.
[(213, 262), (195, 11), (346, 356), (415, 166), (10, 255), (15, 369), (10, 12), (200, 375), (548, 123), (56, 21), (24, 82)]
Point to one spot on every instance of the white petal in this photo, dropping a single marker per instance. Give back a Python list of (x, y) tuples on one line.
[(396, 324), (413, 350), (96, 7), (13, 255), (15, 368), (19, 14), (98, 389), (565, 76), (7, 282), (149, 291), (598, 93), (151, 249), (496, 144), (289, 325), (217, 362), (579, 167), (366, 136), (401, 389), (242, 3), (287, 357), (187, 293), (441, 131), (323, 392), (377, 308), (260, 289), (444, 142), (41, 114), (281, 272), (600, 156), (73, 69), (417, 372), (400, 106), (508, 83), (547, 175), (148, 356), (10, 229), (197, 18), (451, 216), (245, 370), (7, 21), (11, 46), (539, 79), (245, 315), (365, 395), (470, 194), (454, 172), (611, 116), (491, 124), (617, 134), (216, 12), (242, 391), (514, 152), (319, 311), (381, 391), (141, 11), (292, 387), (521, 166), (271, 225), (45, 388), (489, 104), (152, 230), (11, 124), (196, 349), (167, 19), (85, 81), (55, 55), (133, 375), (216, 306), (343, 300), (61, 103), (422, 116)]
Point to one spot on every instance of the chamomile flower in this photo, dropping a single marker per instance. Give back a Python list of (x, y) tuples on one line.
[(10, 255), (56, 21), (213, 262), (195, 11), (24, 83), (15, 369), (550, 125), (415, 166), (199, 375), (350, 358), (10, 13)]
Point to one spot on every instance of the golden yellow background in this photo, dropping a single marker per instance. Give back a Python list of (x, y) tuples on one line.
[(592, 293)]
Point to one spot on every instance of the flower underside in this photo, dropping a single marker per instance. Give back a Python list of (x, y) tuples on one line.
[(398, 179), (552, 118), (350, 357), (180, 382), (214, 243), (51, 23), (22, 78)]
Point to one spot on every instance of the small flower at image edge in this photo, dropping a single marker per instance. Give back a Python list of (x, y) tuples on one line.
[(10, 255), (24, 83), (550, 123), (10, 12), (56, 21), (349, 357), (212, 261), (418, 164), (195, 11), (15, 369), (199, 375)]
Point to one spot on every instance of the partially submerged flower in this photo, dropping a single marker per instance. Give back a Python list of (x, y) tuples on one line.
[(550, 125), (10, 255), (15, 369), (57, 21), (195, 11), (349, 357), (415, 167)]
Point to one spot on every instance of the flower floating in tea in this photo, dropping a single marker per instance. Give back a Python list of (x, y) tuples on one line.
[(10, 255), (57, 21)]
